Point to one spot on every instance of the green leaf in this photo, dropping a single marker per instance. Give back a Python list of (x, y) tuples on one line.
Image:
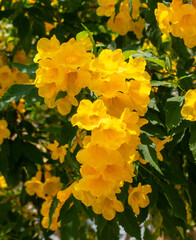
[(192, 142), (15, 93), (70, 224), (32, 153), (175, 201), (29, 69), (172, 108), (129, 53), (185, 82), (109, 232), (155, 83), (60, 94), (157, 61), (91, 38), (67, 134), (81, 35), (148, 152), (4, 158), (53, 207), (168, 63), (129, 222)]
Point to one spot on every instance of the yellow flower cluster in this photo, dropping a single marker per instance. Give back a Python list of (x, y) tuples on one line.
[(189, 109), (114, 119), (122, 22), (47, 191), (179, 19), (62, 68), (4, 131)]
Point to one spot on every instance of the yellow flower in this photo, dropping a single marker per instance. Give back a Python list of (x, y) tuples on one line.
[(184, 24), (116, 105), (106, 7), (98, 157), (73, 55), (139, 95), (98, 186), (122, 22), (4, 131), (109, 62), (46, 48), (108, 86), (85, 196), (3, 183), (135, 8), (189, 109), (63, 195), (163, 16), (35, 186), (107, 207), (57, 152), (89, 115), (138, 197), (64, 104), (51, 186), (111, 134), (45, 213), (159, 145)]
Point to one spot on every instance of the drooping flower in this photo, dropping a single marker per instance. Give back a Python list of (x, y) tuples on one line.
[(138, 197), (57, 152), (107, 207)]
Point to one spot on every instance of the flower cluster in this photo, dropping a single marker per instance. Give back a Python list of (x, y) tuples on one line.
[(114, 119), (4, 131), (189, 109), (62, 68), (122, 22), (46, 190), (179, 19)]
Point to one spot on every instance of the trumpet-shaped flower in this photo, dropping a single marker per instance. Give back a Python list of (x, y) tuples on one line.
[(138, 197), (89, 115), (107, 207), (57, 152)]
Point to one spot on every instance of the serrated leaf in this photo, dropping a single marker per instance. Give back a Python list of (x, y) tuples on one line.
[(53, 207), (175, 201), (172, 108), (192, 142), (148, 152), (129, 222)]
